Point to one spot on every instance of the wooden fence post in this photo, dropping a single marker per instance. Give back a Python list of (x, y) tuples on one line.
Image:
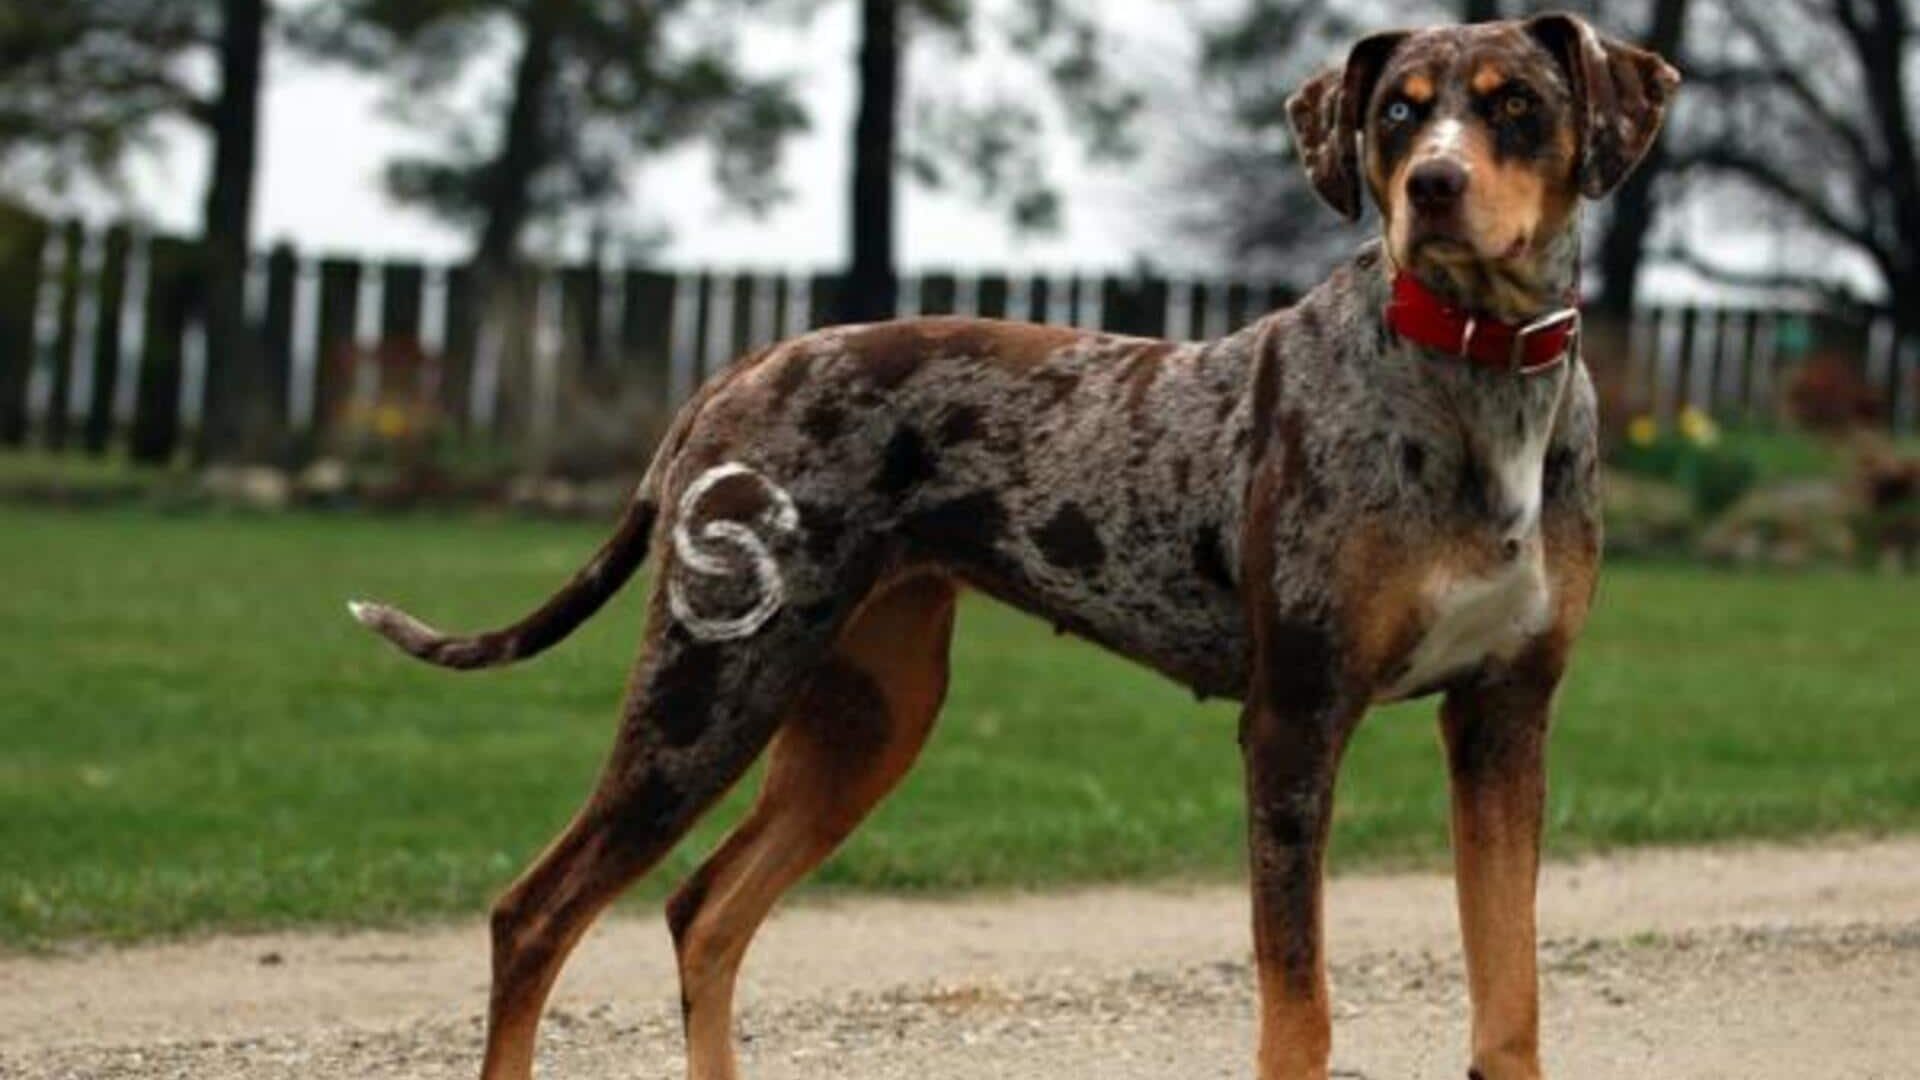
[(824, 292), (939, 294), (990, 296), (1699, 358), (1239, 307), (1040, 305), (173, 284), (580, 313), (334, 345), (462, 321), (1199, 310), (273, 410), (646, 328), (706, 298), (745, 295), (784, 325), (65, 337), (1070, 304), (108, 343), (23, 238), (1667, 336), (1882, 369), (1135, 306)]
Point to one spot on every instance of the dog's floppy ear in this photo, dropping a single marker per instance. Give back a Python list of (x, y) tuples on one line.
[(1620, 95), (1327, 116)]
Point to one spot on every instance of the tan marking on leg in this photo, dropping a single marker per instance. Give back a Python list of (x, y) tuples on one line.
[(1291, 804), (536, 924), (849, 740), (1495, 740)]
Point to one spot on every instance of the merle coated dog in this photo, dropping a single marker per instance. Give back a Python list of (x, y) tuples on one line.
[(1384, 492)]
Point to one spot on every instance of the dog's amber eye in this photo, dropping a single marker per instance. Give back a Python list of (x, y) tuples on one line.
[(1516, 106)]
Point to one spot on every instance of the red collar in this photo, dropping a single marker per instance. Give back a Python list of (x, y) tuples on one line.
[(1418, 314)]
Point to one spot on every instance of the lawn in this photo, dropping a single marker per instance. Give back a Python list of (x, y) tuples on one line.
[(196, 736)]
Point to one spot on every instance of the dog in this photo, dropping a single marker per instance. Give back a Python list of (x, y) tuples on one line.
[(1384, 492)]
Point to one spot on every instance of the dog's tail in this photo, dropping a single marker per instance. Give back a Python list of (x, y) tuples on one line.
[(583, 595), (576, 602)]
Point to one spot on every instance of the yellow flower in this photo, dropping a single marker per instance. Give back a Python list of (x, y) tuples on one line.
[(1643, 431), (390, 421), (1698, 427)]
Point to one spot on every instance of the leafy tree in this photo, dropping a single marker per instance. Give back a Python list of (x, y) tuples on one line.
[(992, 147), (594, 84), (83, 82)]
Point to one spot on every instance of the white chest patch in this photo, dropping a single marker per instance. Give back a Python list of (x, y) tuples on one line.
[(1475, 619)]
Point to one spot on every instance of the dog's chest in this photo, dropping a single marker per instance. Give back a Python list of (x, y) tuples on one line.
[(1471, 619), (1469, 615)]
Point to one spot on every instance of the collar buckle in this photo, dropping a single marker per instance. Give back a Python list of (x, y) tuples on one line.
[(1568, 317)]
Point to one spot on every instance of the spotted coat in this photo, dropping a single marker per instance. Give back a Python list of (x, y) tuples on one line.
[(1107, 484)]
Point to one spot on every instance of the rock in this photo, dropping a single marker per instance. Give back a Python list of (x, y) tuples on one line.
[(545, 495), (326, 480), (257, 487), (1788, 526)]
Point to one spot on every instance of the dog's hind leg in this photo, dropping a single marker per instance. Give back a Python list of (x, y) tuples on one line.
[(696, 716), (851, 735)]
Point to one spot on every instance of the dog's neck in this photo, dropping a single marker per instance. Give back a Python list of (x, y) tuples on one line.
[(1514, 292), (1490, 427)]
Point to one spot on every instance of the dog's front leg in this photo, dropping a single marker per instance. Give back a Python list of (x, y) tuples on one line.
[(1496, 749), (1292, 752)]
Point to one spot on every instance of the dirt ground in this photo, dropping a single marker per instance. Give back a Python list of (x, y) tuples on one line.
[(1755, 964)]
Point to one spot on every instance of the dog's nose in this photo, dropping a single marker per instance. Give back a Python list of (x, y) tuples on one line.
[(1436, 186)]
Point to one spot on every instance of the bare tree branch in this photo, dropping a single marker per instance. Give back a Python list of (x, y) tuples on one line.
[(1826, 291), (1783, 72), (1776, 180)]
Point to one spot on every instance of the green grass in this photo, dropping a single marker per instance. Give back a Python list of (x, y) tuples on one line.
[(193, 734)]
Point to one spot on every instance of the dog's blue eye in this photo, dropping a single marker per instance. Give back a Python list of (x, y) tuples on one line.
[(1399, 112)]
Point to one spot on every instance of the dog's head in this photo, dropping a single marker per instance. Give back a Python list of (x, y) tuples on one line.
[(1477, 142)]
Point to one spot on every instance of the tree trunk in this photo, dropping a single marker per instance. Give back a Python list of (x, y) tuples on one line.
[(504, 336), (507, 188), (232, 375), (1623, 246), (1883, 56), (871, 287)]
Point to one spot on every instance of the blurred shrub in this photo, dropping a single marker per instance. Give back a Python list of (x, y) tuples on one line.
[(1647, 517), (1691, 457), (1828, 395)]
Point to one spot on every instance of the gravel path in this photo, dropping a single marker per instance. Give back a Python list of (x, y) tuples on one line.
[(1758, 964)]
